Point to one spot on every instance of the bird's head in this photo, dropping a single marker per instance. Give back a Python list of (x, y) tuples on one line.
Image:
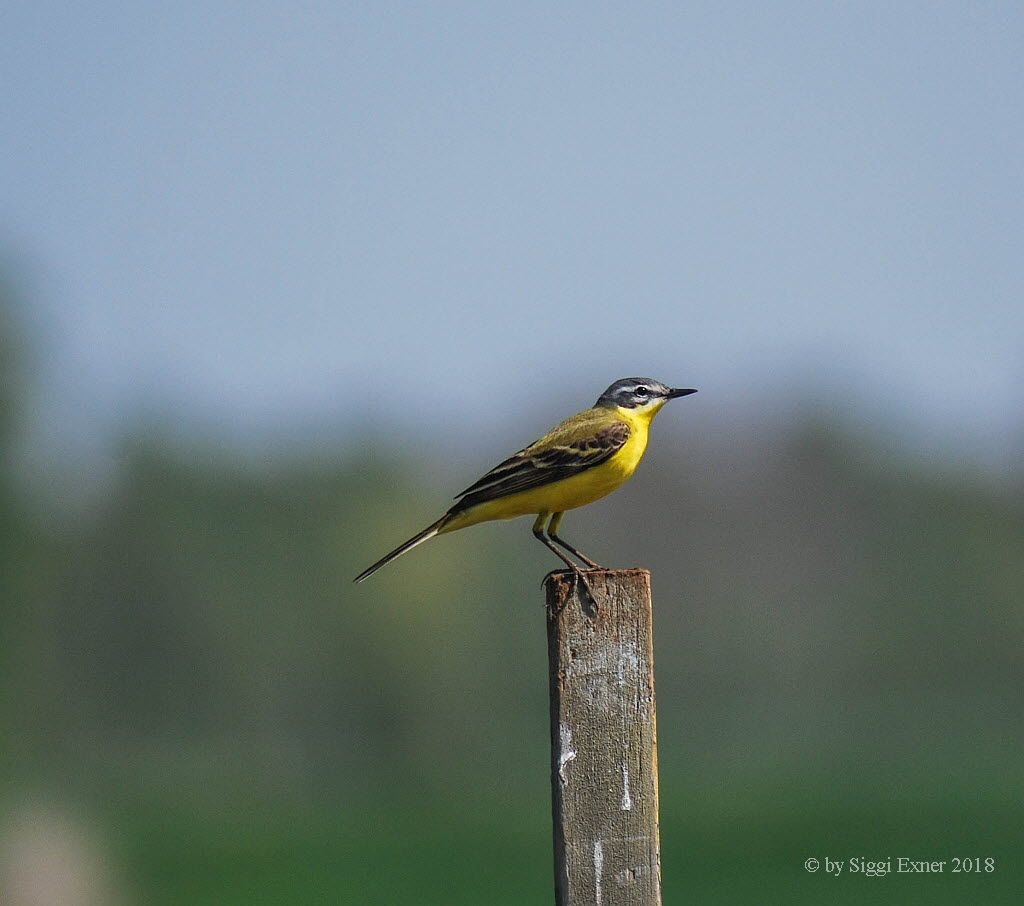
[(644, 396)]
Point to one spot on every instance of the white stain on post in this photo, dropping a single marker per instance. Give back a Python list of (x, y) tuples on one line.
[(629, 664), (568, 753), (598, 870), (628, 671)]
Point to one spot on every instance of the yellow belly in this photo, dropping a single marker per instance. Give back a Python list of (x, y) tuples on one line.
[(566, 494)]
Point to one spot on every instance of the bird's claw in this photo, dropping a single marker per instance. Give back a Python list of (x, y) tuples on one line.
[(578, 578)]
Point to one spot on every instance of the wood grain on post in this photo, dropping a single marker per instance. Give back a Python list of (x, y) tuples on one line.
[(604, 762)]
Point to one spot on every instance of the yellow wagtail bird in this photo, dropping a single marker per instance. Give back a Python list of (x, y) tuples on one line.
[(577, 462)]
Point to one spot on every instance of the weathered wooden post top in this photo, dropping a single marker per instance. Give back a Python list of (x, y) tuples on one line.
[(604, 762)]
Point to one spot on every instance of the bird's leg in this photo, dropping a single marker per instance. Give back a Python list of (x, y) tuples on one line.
[(556, 521), (577, 573)]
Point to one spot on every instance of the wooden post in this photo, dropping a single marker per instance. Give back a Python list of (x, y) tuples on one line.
[(604, 761)]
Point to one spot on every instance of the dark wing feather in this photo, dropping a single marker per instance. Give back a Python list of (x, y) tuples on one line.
[(531, 468)]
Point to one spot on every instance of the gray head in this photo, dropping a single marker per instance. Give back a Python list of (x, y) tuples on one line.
[(639, 393)]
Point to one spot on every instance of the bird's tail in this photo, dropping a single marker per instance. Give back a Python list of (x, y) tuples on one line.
[(425, 535)]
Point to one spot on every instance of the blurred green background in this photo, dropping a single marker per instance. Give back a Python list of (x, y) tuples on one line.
[(276, 282)]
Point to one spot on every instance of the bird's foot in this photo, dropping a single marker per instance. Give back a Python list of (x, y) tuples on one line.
[(578, 578)]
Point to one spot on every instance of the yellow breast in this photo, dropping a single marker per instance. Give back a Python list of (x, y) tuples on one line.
[(575, 491)]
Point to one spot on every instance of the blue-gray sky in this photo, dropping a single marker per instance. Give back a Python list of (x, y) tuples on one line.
[(256, 213)]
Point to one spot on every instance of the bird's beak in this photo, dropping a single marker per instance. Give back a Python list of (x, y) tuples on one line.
[(672, 394)]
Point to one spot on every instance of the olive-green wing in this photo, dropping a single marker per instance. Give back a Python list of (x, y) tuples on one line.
[(559, 455)]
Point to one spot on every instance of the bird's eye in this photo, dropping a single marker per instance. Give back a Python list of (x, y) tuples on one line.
[(641, 391)]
